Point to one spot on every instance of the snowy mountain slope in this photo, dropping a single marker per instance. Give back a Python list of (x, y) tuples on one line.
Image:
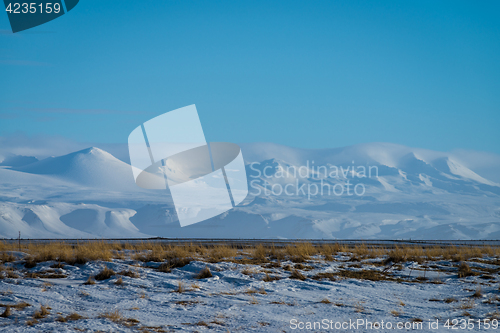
[(12, 160), (414, 193), (387, 154), (90, 167)]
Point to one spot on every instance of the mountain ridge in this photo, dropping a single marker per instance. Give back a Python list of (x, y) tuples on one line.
[(417, 194)]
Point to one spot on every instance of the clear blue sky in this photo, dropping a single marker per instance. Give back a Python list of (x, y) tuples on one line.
[(309, 74)]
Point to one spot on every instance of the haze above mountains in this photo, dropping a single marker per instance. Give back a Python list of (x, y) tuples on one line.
[(418, 194)]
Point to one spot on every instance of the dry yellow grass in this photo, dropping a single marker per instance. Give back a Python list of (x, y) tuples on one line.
[(251, 291), (297, 275), (464, 270), (204, 273), (253, 300), (218, 253), (71, 317), (6, 313), (180, 287), (62, 252), (174, 255), (42, 313), (18, 306), (31, 322), (467, 305), (89, 281), (270, 278), (104, 274), (300, 251), (395, 313), (478, 293), (114, 316), (129, 273), (260, 253)]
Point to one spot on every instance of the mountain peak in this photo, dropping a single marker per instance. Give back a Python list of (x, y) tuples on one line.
[(90, 166), (93, 151)]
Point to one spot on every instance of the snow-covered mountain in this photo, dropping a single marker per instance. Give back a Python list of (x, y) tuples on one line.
[(89, 167), (407, 193)]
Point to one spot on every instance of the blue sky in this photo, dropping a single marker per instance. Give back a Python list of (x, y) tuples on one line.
[(310, 74)]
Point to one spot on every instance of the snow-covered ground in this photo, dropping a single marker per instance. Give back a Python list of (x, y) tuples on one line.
[(236, 299)]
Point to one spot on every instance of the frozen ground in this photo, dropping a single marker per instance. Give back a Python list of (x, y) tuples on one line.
[(236, 299)]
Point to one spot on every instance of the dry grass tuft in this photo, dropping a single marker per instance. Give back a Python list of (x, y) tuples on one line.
[(71, 317), (260, 253), (397, 255), (278, 302), (114, 316), (297, 275), (6, 313), (252, 291), (370, 275), (185, 303), (7, 257), (164, 268), (328, 250), (478, 293), (49, 274), (253, 300), (178, 262), (129, 273), (180, 287), (105, 274), (119, 281), (42, 313), (12, 275), (200, 323), (464, 270), (89, 281), (467, 305), (324, 275), (358, 307), (74, 316), (31, 322), (18, 306), (204, 273), (29, 263), (395, 313), (325, 301), (270, 278), (84, 293)]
